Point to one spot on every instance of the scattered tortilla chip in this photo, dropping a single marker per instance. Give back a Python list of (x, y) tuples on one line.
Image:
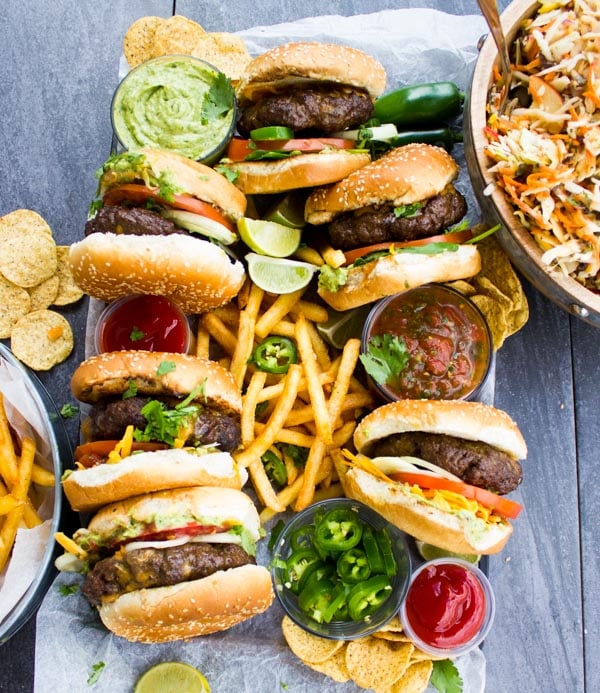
[(68, 291), (375, 663), (138, 43), (227, 52), (306, 646), (43, 295), (391, 635), (177, 35), (486, 287), (415, 679), (495, 316), (20, 219), (27, 255), (394, 624), (419, 656), (334, 667), (14, 304), (42, 339), (462, 287)]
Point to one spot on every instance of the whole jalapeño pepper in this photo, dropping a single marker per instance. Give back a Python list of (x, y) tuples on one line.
[(431, 103)]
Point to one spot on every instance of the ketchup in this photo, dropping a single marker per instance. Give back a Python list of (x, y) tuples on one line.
[(446, 605), (149, 323)]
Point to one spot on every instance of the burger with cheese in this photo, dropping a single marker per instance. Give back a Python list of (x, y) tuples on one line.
[(439, 470)]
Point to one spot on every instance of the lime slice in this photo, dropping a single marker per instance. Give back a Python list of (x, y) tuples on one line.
[(172, 677), (289, 211), (429, 552), (268, 237), (279, 276), (343, 326)]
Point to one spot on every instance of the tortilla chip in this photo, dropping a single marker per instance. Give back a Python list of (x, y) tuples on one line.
[(496, 318), (177, 35), (27, 254), (462, 287), (415, 679), (138, 43), (68, 291), (394, 624), (486, 287), (20, 219), (14, 304), (226, 52), (41, 339), (375, 663), (310, 648), (392, 636), (43, 295), (334, 667)]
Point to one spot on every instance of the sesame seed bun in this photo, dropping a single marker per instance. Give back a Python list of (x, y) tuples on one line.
[(404, 175), (299, 62)]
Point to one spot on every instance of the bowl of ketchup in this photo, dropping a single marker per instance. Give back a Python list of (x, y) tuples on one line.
[(449, 607), (143, 322)]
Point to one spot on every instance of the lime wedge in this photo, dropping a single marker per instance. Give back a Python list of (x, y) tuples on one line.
[(172, 677), (268, 237), (429, 552), (279, 276), (289, 211), (343, 326)]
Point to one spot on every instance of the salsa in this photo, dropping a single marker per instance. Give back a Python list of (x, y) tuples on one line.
[(148, 323), (436, 340), (446, 605)]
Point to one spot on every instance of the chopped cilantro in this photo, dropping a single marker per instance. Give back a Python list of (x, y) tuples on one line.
[(68, 411), (165, 367), (136, 334), (445, 677), (67, 590), (231, 176), (131, 390), (386, 356), (164, 424), (95, 673), (408, 211)]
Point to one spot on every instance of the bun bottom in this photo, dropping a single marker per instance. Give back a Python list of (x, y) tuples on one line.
[(395, 273), (189, 609), (421, 520)]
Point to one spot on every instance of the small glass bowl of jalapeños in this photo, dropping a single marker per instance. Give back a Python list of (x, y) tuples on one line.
[(340, 569)]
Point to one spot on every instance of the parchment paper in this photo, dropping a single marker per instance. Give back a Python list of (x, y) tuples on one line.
[(414, 45)]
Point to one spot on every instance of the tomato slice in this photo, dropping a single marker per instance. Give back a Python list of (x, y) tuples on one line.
[(139, 193), (501, 505), (453, 237), (239, 148), (96, 452)]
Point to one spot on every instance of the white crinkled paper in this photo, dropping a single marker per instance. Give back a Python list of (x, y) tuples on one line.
[(414, 45)]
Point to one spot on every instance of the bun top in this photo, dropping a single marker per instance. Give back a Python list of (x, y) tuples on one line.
[(293, 63), (404, 175), (468, 420), (156, 373), (211, 504), (187, 176)]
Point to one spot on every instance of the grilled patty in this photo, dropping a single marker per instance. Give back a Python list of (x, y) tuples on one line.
[(324, 109), (372, 225), (144, 568), (135, 221), (476, 463)]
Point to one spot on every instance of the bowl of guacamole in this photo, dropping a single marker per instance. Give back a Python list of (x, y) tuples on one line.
[(177, 103)]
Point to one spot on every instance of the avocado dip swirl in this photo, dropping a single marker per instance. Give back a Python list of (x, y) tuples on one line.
[(180, 104)]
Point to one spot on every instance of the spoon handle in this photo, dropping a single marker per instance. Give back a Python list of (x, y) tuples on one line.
[(489, 9)]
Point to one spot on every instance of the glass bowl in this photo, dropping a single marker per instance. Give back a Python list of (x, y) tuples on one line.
[(454, 630), (143, 322), (450, 350), (293, 539), (59, 449), (177, 103)]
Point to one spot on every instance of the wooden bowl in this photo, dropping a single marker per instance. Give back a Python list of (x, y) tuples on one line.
[(516, 240)]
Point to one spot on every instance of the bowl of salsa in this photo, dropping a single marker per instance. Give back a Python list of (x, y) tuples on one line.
[(430, 342), (143, 322), (449, 607)]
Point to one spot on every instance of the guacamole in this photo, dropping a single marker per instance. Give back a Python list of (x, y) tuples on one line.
[(177, 103)]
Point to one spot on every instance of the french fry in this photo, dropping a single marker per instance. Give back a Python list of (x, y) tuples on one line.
[(319, 347), (276, 312), (286, 435), (229, 314), (42, 476), (8, 503), (315, 390), (312, 311), (219, 331), (274, 391), (284, 328), (245, 336), (256, 385), (308, 254), (202, 341), (8, 458), (333, 257), (267, 436), (19, 492), (263, 486)]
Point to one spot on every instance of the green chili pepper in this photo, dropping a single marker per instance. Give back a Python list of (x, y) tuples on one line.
[(365, 598), (339, 530), (442, 137), (272, 132), (372, 550), (316, 597), (274, 467), (353, 566), (338, 605), (275, 354), (296, 564), (385, 546), (302, 537), (431, 103)]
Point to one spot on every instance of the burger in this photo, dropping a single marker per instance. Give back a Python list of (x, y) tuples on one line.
[(389, 218), (156, 421), (439, 470), (172, 564), (293, 101), (160, 226)]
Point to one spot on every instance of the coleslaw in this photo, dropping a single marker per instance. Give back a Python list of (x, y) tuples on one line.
[(546, 144)]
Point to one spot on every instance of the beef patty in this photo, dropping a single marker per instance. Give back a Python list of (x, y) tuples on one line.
[(476, 463), (135, 221), (323, 109), (372, 225), (109, 419), (144, 568)]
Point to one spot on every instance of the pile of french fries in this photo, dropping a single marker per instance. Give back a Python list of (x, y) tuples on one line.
[(314, 405), (19, 473)]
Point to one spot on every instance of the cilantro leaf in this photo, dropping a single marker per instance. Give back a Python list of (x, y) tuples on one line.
[(165, 424), (231, 176), (68, 411), (136, 334), (67, 590), (385, 357), (131, 390), (445, 677), (165, 367), (408, 211), (219, 99), (95, 673)]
